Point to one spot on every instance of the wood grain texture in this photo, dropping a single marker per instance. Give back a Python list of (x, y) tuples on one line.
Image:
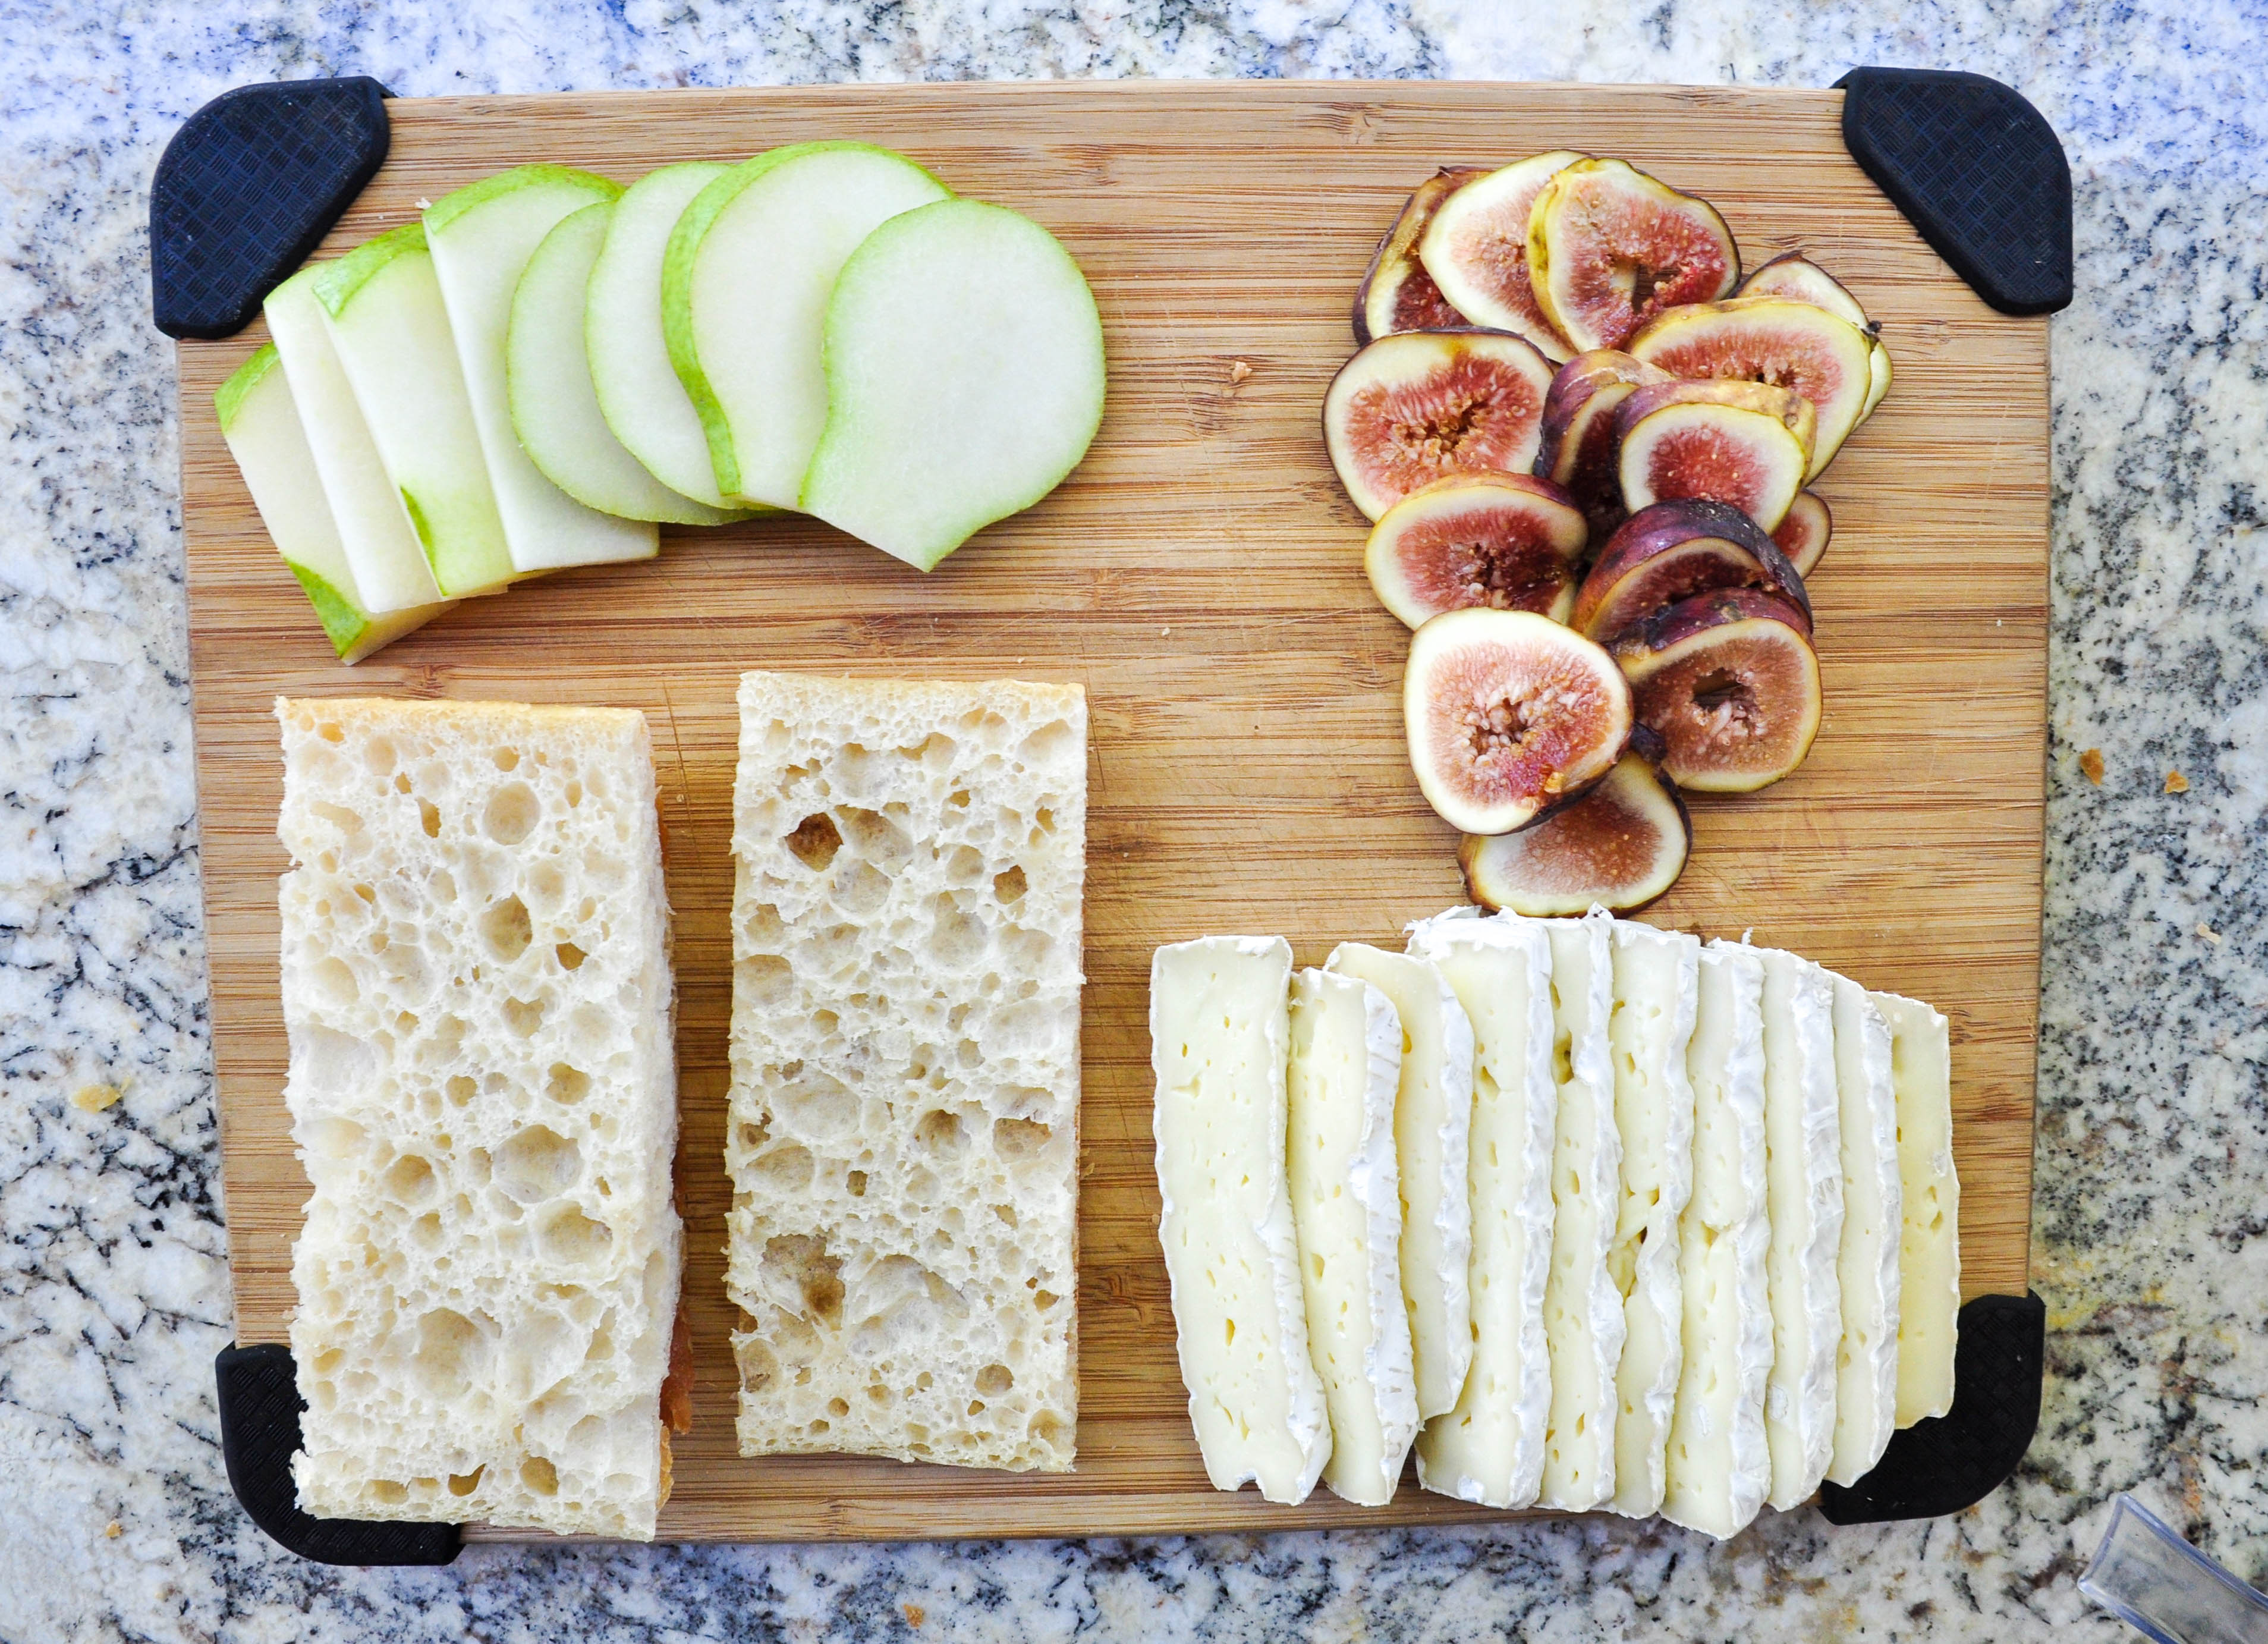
[(1201, 576)]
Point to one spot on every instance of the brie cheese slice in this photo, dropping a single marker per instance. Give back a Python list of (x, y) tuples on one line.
[(1488, 1448), (1929, 1239), (1345, 1066), (1219, 1037), (1433, 1125), (1657, 986), (1720, 1463), (1867, 1366)]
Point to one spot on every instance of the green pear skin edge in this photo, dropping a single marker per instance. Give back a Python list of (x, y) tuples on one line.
[(340, 280), (229, 398), (451, 206), (677, 288)]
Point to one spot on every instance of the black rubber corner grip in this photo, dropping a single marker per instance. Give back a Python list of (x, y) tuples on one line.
[(1977, 170), (260, 1407), (1946, 1463), (248, 188)]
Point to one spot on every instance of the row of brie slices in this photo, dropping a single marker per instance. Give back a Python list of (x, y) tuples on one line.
[(1591, 1213), (547, 364)]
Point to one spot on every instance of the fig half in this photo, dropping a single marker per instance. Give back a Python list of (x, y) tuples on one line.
[(1673, 551), (1476, 250), (1798, 279), (1576, 445), (1398, 294), (1730, 683), (1802, 536), (1419, 406), (1507, 541), (1509, 714), (1743, 443), (1788, 344), (1618, 847), (1609, 248)]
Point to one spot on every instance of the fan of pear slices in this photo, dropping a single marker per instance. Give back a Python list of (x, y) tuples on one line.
[(1585, 439)]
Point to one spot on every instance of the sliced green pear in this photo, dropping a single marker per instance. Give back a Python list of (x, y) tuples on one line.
[(964, 379), (381, 545), (260, 423), (744, 291), (555, 409), (481, 238), (383, 307), (638, 391)]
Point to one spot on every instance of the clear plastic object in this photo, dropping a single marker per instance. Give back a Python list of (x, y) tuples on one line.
[(2151, 1578)]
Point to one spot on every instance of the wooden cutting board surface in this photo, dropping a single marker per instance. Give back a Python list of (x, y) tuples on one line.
[(1201, 575)]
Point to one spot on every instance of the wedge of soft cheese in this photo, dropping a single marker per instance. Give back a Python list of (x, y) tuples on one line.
[(1345, 1068), (1929, 1249), (1220, 1043), (1804, 1169), (1433, 1127), (1582, 1309), (1657, 985), (1488, 1449), (262, 425), (1718, 1464), (1866, 1271)]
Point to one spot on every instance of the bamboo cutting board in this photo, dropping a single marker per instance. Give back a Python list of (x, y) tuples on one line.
[(1201, 576)]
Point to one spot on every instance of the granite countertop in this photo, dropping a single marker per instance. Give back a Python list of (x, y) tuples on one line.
[(2150, 1221)]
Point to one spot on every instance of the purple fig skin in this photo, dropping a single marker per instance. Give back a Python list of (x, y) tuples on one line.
[(1618, 845), (1578, 434), (1396, 278), (1681, 622), (1804, 535), (1727, 551)]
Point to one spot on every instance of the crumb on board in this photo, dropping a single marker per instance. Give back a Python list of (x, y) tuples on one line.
[(2090, 765), (1239, 371), (2176, 783), (95, 1098)]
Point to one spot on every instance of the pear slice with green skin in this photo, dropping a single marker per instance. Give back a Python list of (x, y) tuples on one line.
[(390, 573), (383, 307), (555, 409), (744, 291), (482, 237), (261, 424), (965, 379), (639, 394)]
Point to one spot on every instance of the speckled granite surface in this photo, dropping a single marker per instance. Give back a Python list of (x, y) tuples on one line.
[(2151, 1221)]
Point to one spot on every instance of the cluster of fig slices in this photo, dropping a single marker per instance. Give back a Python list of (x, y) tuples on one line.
[(1585, 443)]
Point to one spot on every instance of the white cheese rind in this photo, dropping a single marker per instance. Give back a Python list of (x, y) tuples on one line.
[(1804, 1172), (1866, 1271), (1582, 1309), (1929, 1244), (1345, 1068), (1488, 1449), (1219, 1037), (1657, 984), (1432, 1129), (1720, 1462)]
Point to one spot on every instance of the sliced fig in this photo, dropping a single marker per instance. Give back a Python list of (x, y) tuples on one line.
[(1798, 279), (1398, 294), (1618, 847), (1476, 250), (1507, 541), (1728, 442), (1730, 683), (1673, 551), (1576, 446), (1609, 248), (1508, 715), (1789, 345), (1419, 406), (1878, 371), (1802, 536)]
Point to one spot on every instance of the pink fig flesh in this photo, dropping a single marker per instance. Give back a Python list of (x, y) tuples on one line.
[(1701, 449), (1730, 683), (1507, 541), (1508, 715), (1618, 846), (1798, 279), (1419, 406), (1576, 442), (1609, 248), (1397, 294), (1673, 551), (1791, 345), (1802, 536), (1476, 249)]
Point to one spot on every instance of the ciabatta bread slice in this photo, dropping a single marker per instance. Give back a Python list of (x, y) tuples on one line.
[(904, 1137), (482, 1088)]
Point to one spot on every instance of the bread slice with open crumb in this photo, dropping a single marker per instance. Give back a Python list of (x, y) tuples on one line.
[(483, 1086), (904, 1137)]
